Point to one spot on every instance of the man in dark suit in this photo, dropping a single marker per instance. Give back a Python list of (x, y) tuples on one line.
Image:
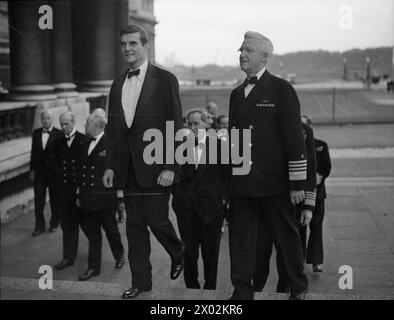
[(198, 204), (68, 153), (44, 168), (98, 204), (303, 212), (263, 198), (143, 98), (314, 252)]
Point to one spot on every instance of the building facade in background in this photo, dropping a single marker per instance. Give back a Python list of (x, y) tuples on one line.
[(69, 67)]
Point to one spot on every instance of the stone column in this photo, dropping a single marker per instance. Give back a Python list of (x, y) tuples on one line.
[(29, 53), (94, 40), (61, 50)]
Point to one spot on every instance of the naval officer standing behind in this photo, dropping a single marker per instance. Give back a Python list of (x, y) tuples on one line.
[(68, 152), (269, 106), (98, 204)]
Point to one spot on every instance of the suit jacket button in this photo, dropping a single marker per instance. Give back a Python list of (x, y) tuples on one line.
[(92, 184), (83, 183), (93, 167), (92, 175), (65, 181)]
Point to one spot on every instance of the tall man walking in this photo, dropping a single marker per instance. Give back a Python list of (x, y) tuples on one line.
[(269, 107), (143, 98)]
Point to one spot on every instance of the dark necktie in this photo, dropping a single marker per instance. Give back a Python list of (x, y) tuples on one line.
[(252, 80), (133, 73)]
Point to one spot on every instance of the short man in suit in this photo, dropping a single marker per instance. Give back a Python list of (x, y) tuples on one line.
[(198, 205), (303, 212), (143, 98), (98, 204), (68, 153), (263, 198), (314, 252), (44, 168)]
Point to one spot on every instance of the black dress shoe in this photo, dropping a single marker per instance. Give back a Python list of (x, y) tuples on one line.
[(88, 274), (301, 296), (317, 268), (52, 229), (176, 269), (63, 264), (37, 232), (134, 292), (120, 263)]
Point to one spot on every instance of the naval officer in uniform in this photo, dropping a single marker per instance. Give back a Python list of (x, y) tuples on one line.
[(263, 198)]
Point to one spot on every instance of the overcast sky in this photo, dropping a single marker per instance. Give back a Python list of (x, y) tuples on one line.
[(210, 31)]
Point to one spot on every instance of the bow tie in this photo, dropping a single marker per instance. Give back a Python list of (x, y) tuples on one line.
[(46, 131), (133, 73), (252, 80), (68, 138), (91, 139)]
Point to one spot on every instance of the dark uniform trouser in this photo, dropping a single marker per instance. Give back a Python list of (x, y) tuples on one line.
[(283, 284), (194, 232), (244, 227), (91, 225), (314, 253), (41, 183), (69, 216)]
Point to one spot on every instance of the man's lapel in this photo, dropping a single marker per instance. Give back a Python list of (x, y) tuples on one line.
[(118, 94), (244, 107), (149, 85)]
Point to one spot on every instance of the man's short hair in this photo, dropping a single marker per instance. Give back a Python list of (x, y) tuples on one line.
[(67, 114), (222, 116), (201, 111), (98, 119), (100, 111), (132, 28), (266, 43)]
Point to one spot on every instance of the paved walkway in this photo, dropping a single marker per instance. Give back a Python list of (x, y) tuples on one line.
[(358, 231)]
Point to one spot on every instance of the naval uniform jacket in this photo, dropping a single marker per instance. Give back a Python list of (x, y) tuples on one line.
[(92, 193), (278, 155), (323, 166), (68, 160)]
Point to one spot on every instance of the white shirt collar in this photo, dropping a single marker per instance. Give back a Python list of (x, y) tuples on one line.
[(72, 133), (98, 137), (143, 68), (203, 139), (260, 73)]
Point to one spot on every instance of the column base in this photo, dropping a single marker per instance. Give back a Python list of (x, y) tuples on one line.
[(65, 90), (96, 86), (31, 93)]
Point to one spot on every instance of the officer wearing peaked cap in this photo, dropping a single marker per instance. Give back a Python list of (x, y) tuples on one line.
[(263, 198)]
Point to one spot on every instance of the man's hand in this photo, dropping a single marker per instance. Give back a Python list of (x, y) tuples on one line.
[(319, 178), (306, 217), (121, 213), (297, 197), (166, 177), (108, 178), (32, 175)]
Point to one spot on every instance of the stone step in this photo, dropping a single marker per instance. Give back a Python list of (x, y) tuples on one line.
[(18, 288)]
